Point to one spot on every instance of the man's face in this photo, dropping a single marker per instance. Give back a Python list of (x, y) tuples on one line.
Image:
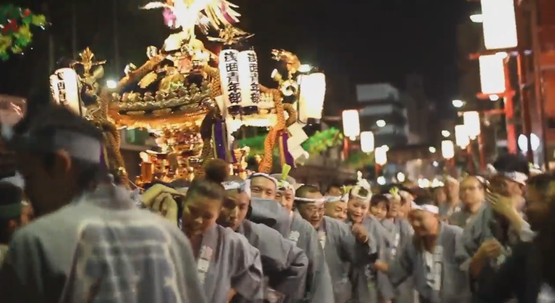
[(312, 212), (452, 190), (472, 191), (394, 208), (45, 188), (286, 198), (234, 210), (423, 222), (264, 188), (334, 191), (336, 210)]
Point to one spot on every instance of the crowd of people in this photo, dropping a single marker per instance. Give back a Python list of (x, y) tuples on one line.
[(71, 233)]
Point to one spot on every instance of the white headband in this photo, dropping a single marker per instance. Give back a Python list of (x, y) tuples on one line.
[(16, 180), (333, 199), (232, 185), (247, 188), (265, 176), (318, 201), (426, 207), (514, 176)]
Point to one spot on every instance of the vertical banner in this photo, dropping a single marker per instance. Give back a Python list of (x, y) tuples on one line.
[(64, 85), (229, 76), (248, 76)]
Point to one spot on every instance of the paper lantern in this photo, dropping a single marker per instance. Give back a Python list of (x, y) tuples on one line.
[(447, 149), (380, 155), (499, 23), (367, 142), (64, 85), (351, 123), (492, 74), (248, 79), (229, 77), (472, 124), (311, 100), (461, 136)]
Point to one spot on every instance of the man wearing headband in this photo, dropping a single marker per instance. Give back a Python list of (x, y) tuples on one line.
[(284, 264), (336, 207), (344, 246), (286, 191), (490, 237), (12, 216), (453, 202), (473, 196), (87, 222), (263, 186), (430, 258)]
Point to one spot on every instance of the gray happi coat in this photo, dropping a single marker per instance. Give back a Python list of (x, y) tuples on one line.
[(100, 241), (481, 228), (227, 261), (342, 251), (461, 218), (283, 262), (319, 282), (437, 276), (400, 233), (363, 276), (272, 214)]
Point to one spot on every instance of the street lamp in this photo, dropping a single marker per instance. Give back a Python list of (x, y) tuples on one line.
[(457, 103), (445, 133), (380, 123), (493, 97), (432, 149)]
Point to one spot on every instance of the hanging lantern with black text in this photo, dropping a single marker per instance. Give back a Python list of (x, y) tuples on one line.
[(229, 77), (248, 79), (64, 85), (311, 97)]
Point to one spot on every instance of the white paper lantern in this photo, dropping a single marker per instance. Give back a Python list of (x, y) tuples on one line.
[(229, 77), (248, 79), (380, 155), (499, 24), (64, 85), (312, 95), (447, 149), (472, 124), (351, 123), (367, 142), (492, 74), (461, 136)]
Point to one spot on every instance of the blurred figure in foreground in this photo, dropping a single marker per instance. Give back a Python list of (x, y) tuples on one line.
[(12, 214), (90, 238)]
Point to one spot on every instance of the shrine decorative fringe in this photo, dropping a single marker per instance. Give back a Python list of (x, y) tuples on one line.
[(221, 146), (284, 155)]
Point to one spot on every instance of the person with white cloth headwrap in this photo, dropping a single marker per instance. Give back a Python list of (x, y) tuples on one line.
[(429, 257), (336, 206), (492, 234), (12, 216)]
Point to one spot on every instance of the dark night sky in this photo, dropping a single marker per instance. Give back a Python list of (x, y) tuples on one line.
[(354, 41)]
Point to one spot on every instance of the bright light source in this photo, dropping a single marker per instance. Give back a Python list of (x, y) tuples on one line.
[(462, 139), (493, 97), (380, 155), (499, 22), (447, 149), (111, 84), (401, 177), (351, 123), (477, 18), (445, 133), (385, 147), (457, 103), (381, 180), (435, 164), (523, 142), (432, 149), (472, 124), (305, 68), (380, 123), (502, 55), (367, 142), (492, 74)]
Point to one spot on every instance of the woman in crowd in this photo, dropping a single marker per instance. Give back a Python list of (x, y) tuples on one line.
[(430, 258), (226, 262)]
